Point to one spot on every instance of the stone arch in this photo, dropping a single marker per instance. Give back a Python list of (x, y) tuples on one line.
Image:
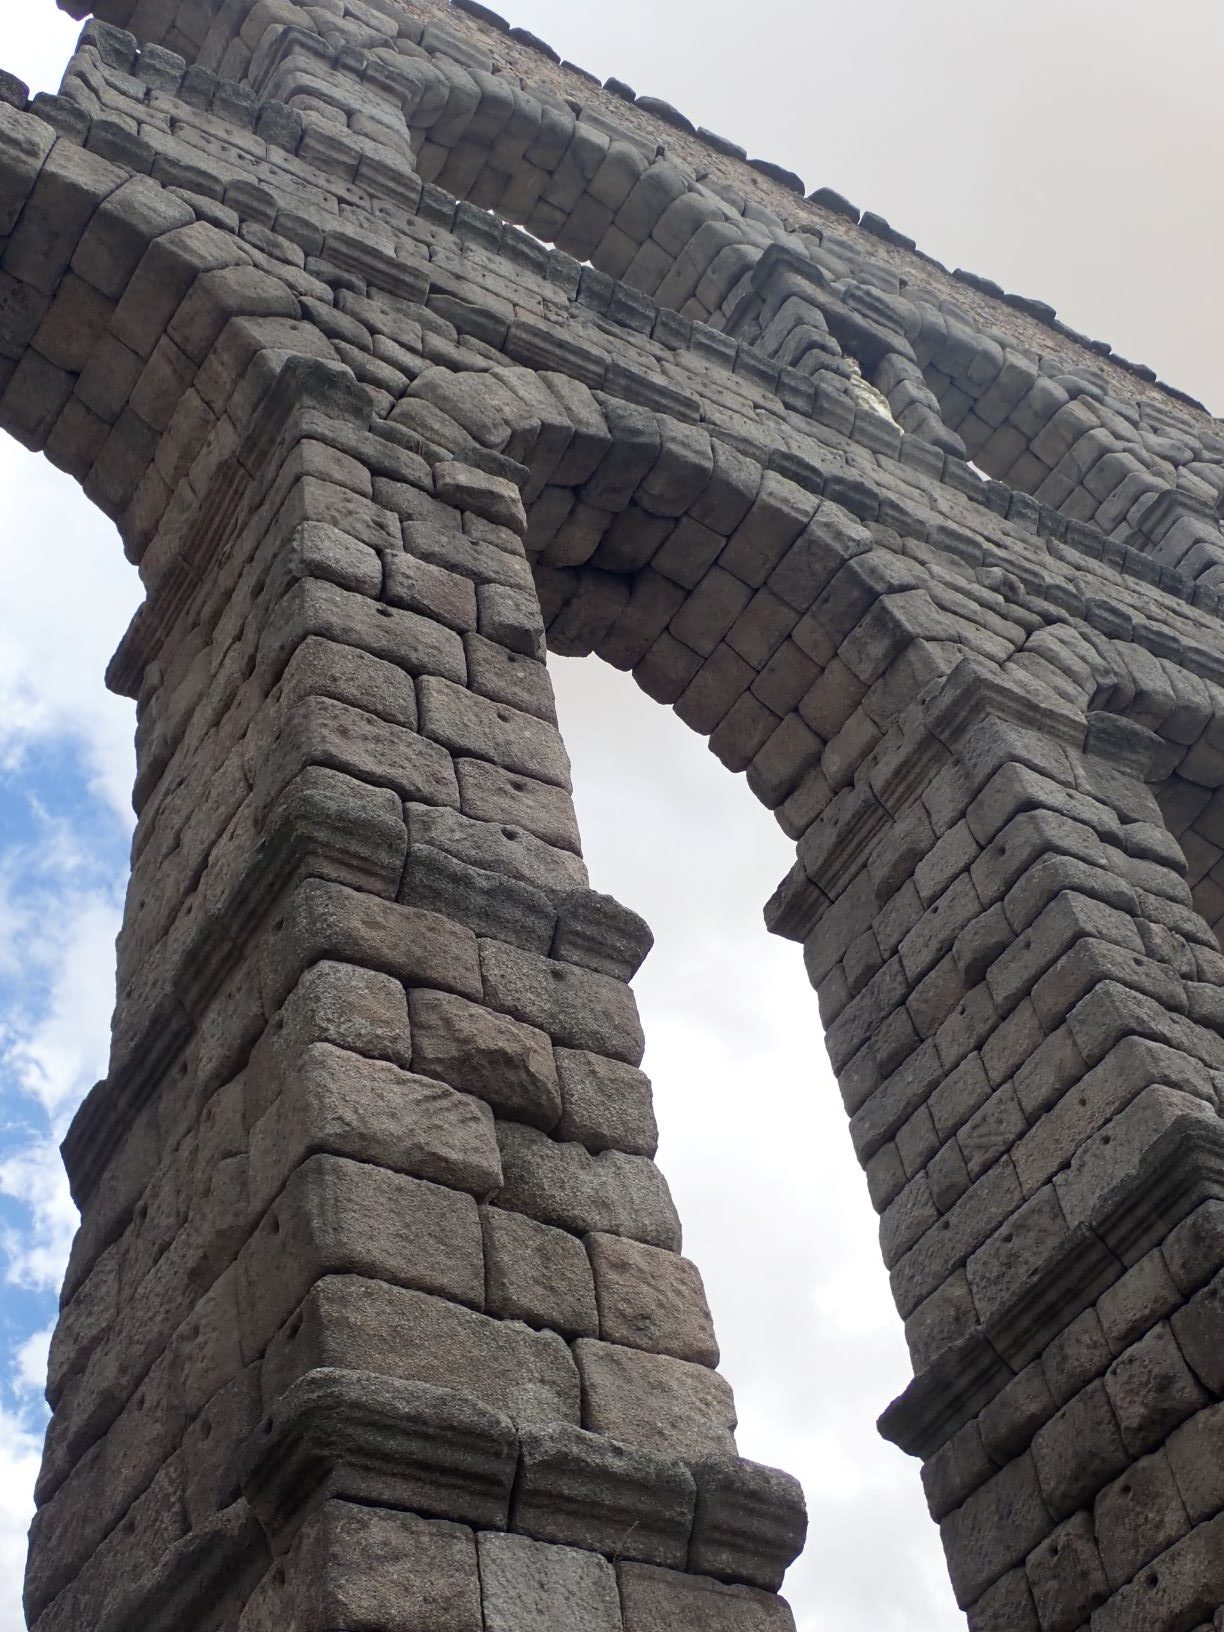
[(370, 452), (477, 111)]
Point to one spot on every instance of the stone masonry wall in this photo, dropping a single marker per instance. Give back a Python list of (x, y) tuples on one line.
[(378, 1316)]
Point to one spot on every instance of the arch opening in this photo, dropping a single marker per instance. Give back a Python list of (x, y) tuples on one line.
[(715, 1088)]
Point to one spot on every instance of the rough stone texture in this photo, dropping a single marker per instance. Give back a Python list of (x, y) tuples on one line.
[(529, 1586), (376, 1316), (589, 1491), (652, 1300)]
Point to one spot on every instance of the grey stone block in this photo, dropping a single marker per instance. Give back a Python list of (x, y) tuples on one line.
[(654, 1401), (750, 1525), (537, 1274), (480, 1052), (497, 847), (587, 1490), (598, 933), (323, 824), (531, 1586), (313, 608), (564, 1185), (371, 1111), (422, 586), (349, 1322), (475, 727), (577, 1007), (426, 1568), (338, 1216), (357, 1009), (606, 1104), (1139, 1515), (1065, 1575), (651, 1300), (511, 618), (1193, 1453), (492, 497), (1152, 1390), (996, 1528), (487, 793), (325, 668), (507, 909), (1079, 1451), (383, 1443), (656, 1600), (328, 921)]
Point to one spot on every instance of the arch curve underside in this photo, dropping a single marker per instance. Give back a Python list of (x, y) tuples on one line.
[(378, 1303)]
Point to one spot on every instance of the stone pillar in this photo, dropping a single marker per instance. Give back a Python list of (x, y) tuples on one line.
[(1023, 1011), (377, 1315)]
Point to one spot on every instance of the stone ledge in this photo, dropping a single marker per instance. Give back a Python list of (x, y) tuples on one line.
[(1183, 1169), (436, 1452), (941, 718), (383, 1442)]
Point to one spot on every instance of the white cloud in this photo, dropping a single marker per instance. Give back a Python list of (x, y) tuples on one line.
[(35, 1255), (30, 1371), (58, 985), (55, 1058), (66, 596), (20, 1450), (38, 43)]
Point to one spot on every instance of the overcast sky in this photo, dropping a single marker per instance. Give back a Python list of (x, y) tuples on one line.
[(1058, 146)]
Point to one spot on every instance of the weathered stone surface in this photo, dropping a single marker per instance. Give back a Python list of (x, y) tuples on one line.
[(529, 1585), (508, 1065), (654, 1401), (423, 1569), (651, 1300), (1079, 1451), (375, 450), (587, 1490), (354, 1323), (328, 921), (384, 1443), (1152, 1389), (476, 728), (356, 1009), (538, 1274), (368, 1110), (1066, 1576), (598, 933), (657, 1600), (606, 1104), (498, 848), (337, 1216), (577, 1007), (996, 1528), (1138, 1517), (751, 1522), (565, 1185), (507, 909), (490, 794)]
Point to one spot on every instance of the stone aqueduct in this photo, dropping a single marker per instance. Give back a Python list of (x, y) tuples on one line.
[(377, 1320)]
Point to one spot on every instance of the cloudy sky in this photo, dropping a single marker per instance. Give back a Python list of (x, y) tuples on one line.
[(1059, 146)]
